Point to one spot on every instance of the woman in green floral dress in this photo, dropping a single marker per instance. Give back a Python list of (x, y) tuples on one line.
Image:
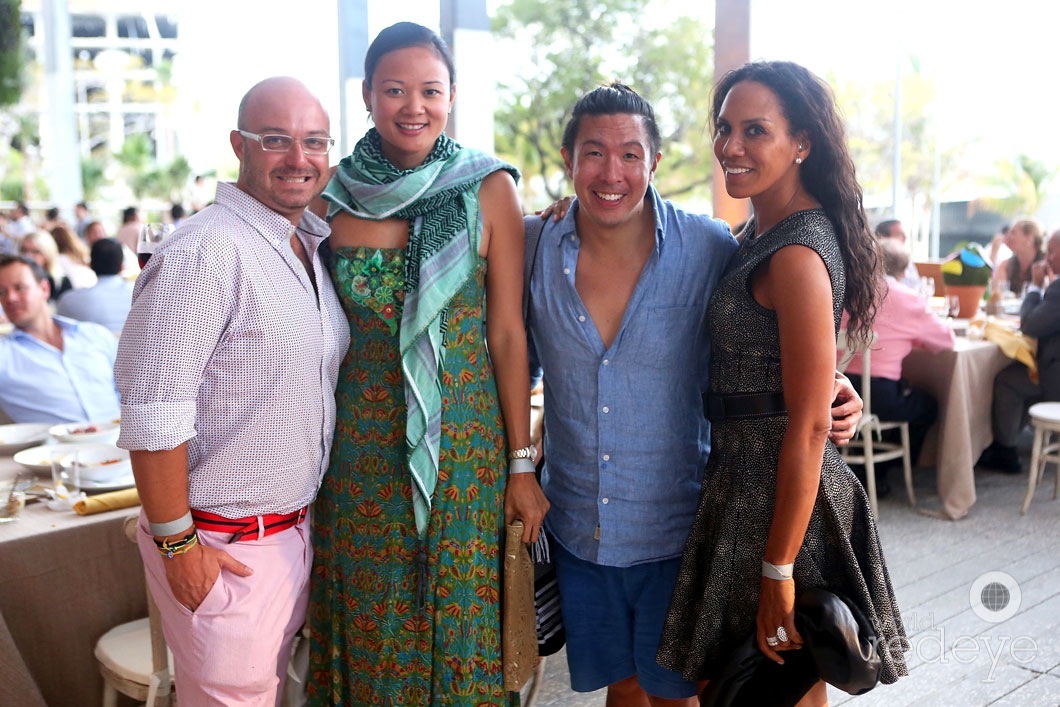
[(405, 606)]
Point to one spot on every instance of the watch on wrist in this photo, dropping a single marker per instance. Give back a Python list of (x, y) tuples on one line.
[(527, 452)]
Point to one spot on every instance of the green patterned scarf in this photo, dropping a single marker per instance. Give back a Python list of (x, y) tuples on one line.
[(440, 201)]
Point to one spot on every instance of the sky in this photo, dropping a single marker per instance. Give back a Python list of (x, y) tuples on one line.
[(991, 59)]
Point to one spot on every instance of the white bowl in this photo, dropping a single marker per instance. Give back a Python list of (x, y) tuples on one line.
[(99, 462), (15, 438), (87, 432)]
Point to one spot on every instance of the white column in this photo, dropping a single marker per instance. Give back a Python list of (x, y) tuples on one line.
[(466, 29), (60, 151), (353, 45)]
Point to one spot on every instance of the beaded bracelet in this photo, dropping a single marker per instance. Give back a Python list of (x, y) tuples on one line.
[(179, 547)]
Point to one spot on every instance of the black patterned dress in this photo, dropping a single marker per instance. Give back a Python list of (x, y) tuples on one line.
[(715, 603)]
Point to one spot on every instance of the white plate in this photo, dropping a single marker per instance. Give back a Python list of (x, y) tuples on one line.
[(39, 459), (100, 463), (14, 438), (104, 432), (123, 482)]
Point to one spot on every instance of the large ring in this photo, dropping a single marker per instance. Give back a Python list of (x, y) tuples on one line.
[(772, 641), (782, 634)]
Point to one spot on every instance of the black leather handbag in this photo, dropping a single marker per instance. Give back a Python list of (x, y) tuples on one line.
[(839, 647)]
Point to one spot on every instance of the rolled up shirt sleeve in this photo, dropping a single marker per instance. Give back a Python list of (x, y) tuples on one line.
[(181, 304)]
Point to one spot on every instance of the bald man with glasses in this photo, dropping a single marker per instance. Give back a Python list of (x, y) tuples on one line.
[(227, 367)]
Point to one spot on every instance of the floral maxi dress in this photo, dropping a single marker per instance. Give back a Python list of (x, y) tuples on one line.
[(396, 619)]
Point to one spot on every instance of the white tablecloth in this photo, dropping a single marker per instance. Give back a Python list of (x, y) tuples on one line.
[(962, 381)]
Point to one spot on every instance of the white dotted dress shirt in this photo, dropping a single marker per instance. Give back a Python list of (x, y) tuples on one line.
[(229, 347)]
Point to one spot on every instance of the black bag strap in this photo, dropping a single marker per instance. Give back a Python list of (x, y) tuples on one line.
[(534, 225)]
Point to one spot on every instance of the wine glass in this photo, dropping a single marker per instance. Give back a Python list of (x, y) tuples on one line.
[(927, 287), (66, 476), (953, 305), (151, 234)]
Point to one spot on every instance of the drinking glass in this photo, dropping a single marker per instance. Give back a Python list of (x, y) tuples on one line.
[(927, 287), (953, 305), (66, 478), (151, 234)]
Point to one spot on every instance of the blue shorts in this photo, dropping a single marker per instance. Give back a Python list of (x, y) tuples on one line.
[(614, 617)]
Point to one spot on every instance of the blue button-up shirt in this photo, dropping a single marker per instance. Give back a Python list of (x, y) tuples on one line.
[(40, 383), (625, 436)]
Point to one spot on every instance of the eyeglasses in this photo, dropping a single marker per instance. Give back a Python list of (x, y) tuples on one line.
[(313, 145)]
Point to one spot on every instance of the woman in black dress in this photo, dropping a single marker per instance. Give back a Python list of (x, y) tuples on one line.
[(779, 509)]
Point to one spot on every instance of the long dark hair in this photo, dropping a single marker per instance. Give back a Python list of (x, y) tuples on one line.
[(827, 174)]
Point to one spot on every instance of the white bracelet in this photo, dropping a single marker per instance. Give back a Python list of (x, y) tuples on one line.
[(780, 573), (160, 530), (521, 466)]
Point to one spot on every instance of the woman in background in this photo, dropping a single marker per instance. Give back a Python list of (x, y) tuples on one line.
[(1024, 238), (40, 246), (73, 256)]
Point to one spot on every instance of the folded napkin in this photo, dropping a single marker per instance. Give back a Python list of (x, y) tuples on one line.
[(1014, 344), (111, 501)]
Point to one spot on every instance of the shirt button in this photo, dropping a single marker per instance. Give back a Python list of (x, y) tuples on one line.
[(566, 271), (607, 362), (607, 457), (605, 501), (606, 409), (581, 317)]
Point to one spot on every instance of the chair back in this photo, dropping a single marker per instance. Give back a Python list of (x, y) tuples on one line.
[(847, 354), (159, 650)]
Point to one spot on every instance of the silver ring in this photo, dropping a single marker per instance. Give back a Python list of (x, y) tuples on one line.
[(782, 634), (772, 641)]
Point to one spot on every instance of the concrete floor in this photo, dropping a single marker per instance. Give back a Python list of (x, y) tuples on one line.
[(957, 658)]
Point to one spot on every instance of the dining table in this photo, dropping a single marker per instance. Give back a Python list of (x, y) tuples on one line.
[(962, 381), (65, 580)]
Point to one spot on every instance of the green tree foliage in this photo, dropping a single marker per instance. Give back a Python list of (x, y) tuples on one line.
[(569, 48), (148, 178), (868, 112), (11, 58), (1023, 182), (93, 177)]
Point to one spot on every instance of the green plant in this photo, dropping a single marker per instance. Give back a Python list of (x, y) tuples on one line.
[(968, 265)]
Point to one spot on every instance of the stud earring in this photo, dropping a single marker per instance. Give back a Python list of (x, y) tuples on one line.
[(798, 160)]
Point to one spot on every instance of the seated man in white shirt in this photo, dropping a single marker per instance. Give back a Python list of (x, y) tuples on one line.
[(52, 369), (108, 301)]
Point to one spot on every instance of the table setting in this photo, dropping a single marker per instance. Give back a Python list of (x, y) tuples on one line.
[(67, 467), (69, 572)]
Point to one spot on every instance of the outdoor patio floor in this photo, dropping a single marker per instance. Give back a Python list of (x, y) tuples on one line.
[(956, 657)]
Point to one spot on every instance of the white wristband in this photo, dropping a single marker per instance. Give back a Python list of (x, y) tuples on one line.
[(172, 527), (521, 466), (778, 572)]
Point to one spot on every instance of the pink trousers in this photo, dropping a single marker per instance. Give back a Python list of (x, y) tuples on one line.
[(234, 648)]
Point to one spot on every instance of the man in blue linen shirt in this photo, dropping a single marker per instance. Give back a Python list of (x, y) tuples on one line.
[(52, 369), (618, 295)]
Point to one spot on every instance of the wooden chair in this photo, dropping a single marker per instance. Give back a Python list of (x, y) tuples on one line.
[(133, 657), (864, 448), (1045, 418)]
